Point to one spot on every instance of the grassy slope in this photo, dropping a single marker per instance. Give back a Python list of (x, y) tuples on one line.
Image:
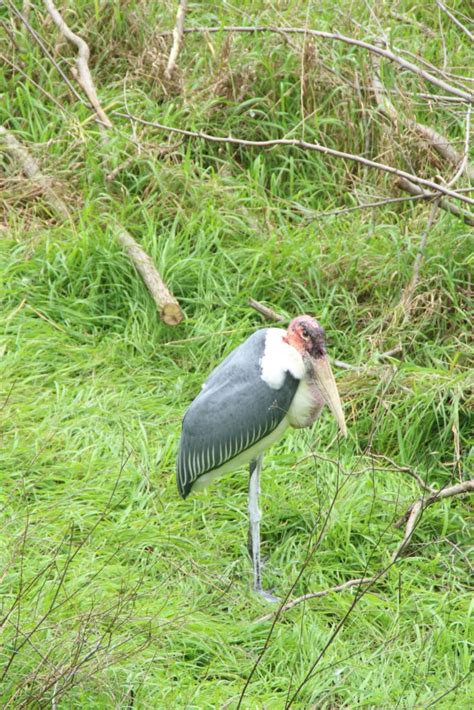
[(96, 545)]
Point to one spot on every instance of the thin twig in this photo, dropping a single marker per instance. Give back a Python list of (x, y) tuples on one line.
[(317, 595), (406, 469), (83, 73), (177, 38), (370, 205), (303, 145), (469, 97), (454, 19), (406, 300)]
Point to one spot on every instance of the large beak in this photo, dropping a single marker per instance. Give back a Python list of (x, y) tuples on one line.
[(327, 385)]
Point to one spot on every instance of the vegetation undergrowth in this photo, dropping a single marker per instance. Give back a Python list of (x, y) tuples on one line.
[(113, 591)]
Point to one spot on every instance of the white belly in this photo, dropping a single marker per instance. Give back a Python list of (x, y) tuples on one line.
[(242, 459), (306, 405)]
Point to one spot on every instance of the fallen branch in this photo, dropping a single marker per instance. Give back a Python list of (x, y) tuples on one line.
[(422, 503), (265, 310), (31, 169), (177, 38), (167, 305), (467, 96), (435, 140), (83, 74), (444, 204), (297, 143)]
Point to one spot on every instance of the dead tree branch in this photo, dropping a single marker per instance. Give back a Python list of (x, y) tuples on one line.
[(265, 310), (388, 54), (435, 140), (446, 205), (456, 490), (306, 146), (31, 169), (177, 38), (83, 74), (167, 305), (454, 19)]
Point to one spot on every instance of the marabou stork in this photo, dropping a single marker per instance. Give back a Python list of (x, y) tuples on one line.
[(275, 379)]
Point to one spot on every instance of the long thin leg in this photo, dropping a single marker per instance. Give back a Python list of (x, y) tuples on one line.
[(254, 518)]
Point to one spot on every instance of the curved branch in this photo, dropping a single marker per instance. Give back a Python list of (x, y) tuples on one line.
[(83, 73), (388, 54), (438, 188)]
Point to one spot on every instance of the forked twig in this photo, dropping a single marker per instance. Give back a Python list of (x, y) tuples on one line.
[(445, 204), (177, 38), (456, 490), (83, 74)]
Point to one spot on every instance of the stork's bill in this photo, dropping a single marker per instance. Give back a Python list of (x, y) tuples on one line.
[(275, 379)]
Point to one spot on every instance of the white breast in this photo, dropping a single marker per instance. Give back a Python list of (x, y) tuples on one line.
[(306, 405)]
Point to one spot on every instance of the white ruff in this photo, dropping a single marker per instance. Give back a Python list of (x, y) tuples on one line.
[(278, 358)]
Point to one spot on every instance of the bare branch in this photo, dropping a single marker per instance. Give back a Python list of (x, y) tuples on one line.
[(435, 140), (265, 310), (306, 146), (456, 490), (454, 19), (31, 169), (317, 595), (411, 518), (467, 96), (167, 305), (83, 73), (415, 190), (177, 38)]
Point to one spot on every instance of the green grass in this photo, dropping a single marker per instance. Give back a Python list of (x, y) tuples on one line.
[(113, 591)]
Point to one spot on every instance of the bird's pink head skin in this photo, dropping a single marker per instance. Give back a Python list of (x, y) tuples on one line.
[(307, 336)]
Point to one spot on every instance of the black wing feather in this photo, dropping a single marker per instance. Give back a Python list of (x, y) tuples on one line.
[(234, 410)]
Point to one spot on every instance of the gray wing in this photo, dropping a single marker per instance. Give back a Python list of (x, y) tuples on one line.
[(235, 409)]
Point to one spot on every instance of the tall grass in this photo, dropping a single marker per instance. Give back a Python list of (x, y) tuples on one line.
[(113, 591)]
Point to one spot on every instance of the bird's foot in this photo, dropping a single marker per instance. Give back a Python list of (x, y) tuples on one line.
[(268, 596)]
